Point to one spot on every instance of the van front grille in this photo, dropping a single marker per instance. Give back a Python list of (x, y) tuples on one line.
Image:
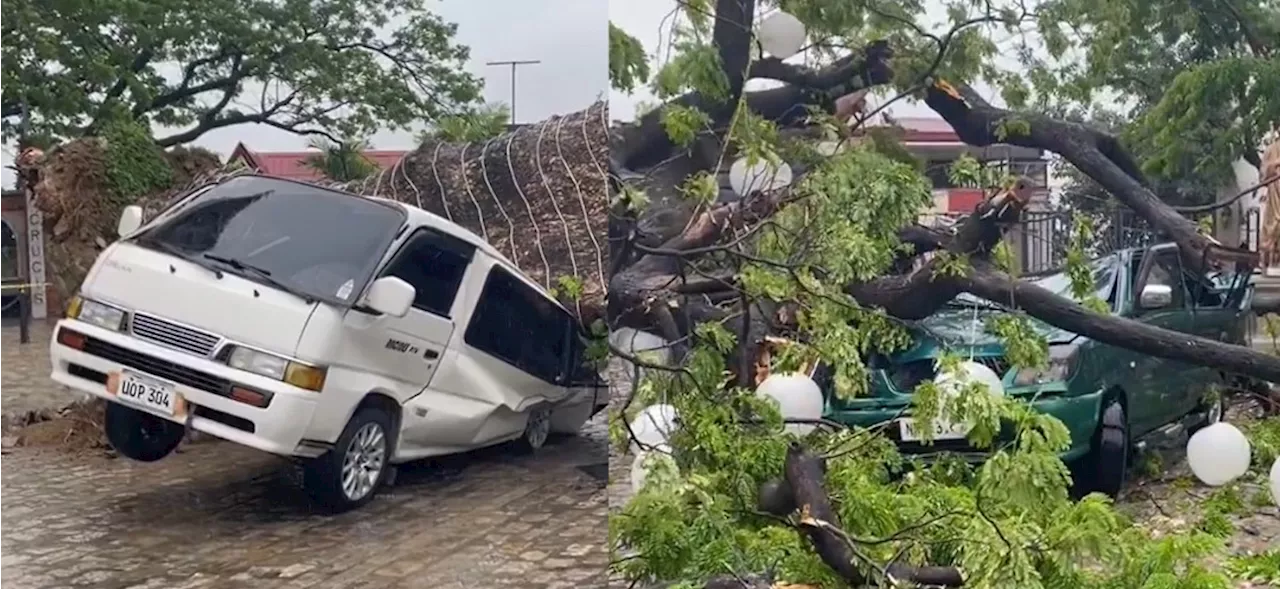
[(172, 335), (150, 365)]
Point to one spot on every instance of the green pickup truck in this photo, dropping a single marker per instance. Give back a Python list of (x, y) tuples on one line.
[(1109, 398)]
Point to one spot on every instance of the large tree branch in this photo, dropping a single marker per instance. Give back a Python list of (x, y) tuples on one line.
[(185, 89), (265, 117), (993, 285), (1097, 154), (920, 293), (645, 142), (140, 61)]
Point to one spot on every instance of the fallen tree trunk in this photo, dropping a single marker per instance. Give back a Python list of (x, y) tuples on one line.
[(993, 285), (538, 193), (1097, 154)]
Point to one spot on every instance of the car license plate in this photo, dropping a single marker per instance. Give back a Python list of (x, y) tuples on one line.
[(942, 430), (146, 392)]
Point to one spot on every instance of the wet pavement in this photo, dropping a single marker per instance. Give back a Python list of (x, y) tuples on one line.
[(24, 373), (221, 516)]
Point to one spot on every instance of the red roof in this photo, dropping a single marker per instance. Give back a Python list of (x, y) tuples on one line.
[(293, 164), (921, 129)]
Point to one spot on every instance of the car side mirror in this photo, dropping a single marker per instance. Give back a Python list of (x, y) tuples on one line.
[(1156, 296), (390, 296), (130, 220)]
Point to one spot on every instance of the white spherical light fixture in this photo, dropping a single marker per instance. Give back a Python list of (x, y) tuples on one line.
[(1275, 481), (640, 344), (634, 342), (967, 373), (781, 34), (647, 461), (1218, 454), (798, 397), (828, 148), (653, 426), (746, 178)]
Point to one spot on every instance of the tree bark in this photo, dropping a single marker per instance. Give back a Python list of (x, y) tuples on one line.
[(1099, 155)]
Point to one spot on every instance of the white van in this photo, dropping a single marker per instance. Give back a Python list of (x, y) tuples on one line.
[(350, 332)]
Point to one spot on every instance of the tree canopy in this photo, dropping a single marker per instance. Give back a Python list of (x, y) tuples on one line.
[(833, 264), (343, 68)]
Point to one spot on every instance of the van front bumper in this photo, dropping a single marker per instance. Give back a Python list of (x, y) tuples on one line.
[(204, 387)]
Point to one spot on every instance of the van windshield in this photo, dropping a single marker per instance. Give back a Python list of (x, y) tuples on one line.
[(316, 243)]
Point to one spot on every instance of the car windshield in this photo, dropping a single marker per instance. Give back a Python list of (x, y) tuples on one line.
[(316, 243), (1104, 280)]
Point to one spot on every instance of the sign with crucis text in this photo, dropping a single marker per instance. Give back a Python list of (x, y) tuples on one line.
[(35, 258)]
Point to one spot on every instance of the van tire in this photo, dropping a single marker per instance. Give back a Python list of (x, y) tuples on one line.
[(139, 435), (1105, 468), (537, 429), (366, 437)]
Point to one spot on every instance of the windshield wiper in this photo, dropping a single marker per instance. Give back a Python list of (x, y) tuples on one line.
[(969, 304), (177, 252), (262, 273)]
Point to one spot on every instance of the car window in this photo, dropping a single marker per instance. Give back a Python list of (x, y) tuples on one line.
[(517, 324), (1166, 270), (434, 263)]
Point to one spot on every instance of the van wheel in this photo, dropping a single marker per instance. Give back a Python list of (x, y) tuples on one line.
[(1105, 468), (536, 429), (140, 435), (349, 475)]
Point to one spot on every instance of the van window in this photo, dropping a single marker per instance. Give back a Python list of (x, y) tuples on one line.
[(517, 324), (434, 264)]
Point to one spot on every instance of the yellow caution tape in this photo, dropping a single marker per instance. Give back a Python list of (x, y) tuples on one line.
[(27, 286)]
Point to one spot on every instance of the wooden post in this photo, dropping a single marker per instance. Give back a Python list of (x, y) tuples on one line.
[(24, 316)]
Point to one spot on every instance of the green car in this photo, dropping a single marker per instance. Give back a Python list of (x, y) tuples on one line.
[(1109, 398)]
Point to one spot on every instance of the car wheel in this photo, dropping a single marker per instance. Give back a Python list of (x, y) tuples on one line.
[(536, 429), (140, 435), (1105, 468), (349, 475)]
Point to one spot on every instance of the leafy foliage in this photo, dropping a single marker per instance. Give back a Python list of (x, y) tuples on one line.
[(135, 165), (1197, 82), (476, 124), (349, 67), (628, 67), (343, 161)]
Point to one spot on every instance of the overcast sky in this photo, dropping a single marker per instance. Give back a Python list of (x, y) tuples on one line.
[(569, 36)]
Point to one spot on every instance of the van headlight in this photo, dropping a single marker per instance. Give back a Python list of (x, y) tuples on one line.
[(303, 376), (1062, 362), (96, 313)]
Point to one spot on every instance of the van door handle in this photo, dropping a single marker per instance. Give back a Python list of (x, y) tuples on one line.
[(431, 354)]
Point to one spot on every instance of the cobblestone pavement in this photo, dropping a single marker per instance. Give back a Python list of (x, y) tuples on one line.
[(24, 372), (221, 516)]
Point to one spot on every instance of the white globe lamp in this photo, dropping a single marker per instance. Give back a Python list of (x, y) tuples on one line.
[(1218, 454), (646, 346), (746, 178), (798, 397), (653, 426), (950, 383), (647, 461), (1275, 481), (781, 34)]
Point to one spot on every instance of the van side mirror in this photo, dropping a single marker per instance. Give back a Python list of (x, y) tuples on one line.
[(130, 220), (1155, 296), (390, 296)]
